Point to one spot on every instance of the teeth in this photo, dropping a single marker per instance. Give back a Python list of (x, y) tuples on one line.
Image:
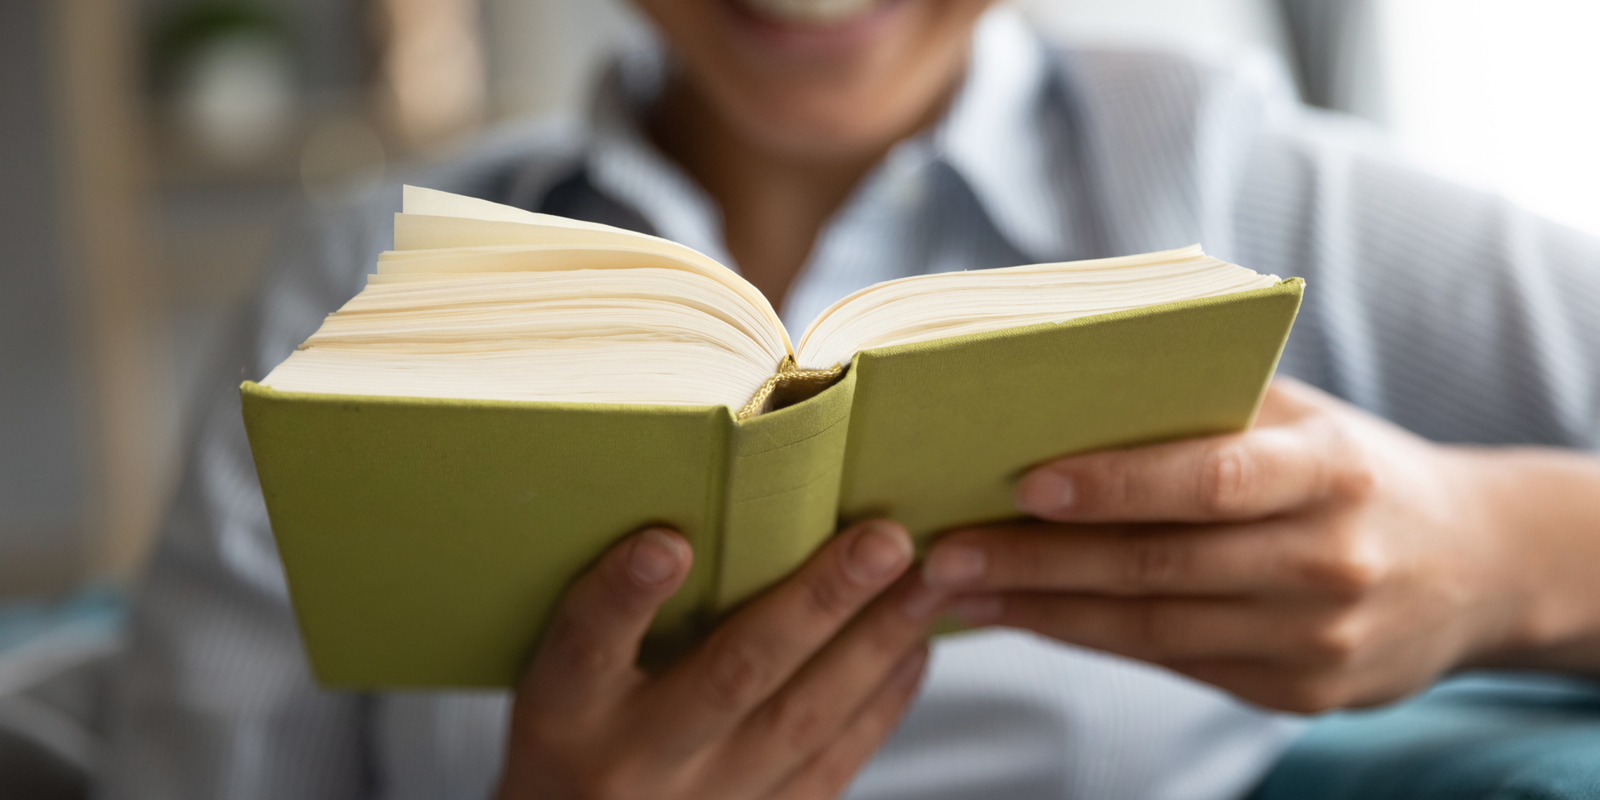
[(812, 11)]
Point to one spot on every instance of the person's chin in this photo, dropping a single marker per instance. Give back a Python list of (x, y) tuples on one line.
[(762, 28)]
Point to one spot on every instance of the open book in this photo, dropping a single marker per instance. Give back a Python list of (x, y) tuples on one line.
[(513, 392)]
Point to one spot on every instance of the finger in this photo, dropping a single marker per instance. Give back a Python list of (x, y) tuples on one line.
[(1262, 472), (826, 775), (1161, 631), (593, 639), (816, 706), (756, 651), (1272, 556)]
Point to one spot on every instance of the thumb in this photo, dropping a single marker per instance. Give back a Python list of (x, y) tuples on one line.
[(593, 639)]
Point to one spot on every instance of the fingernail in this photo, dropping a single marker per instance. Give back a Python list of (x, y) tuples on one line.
[(978, 609), (909, 667), (924, 602), (1045, 492), (954, 565), (655, 557), (879, 551)]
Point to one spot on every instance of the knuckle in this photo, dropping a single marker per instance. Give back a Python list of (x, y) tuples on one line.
[(1153, 561), (1350, 569), (737, 676), (1355, 475), (1359, 479), (798, 724), (1336, 643), (829, 594), (1229, 480)]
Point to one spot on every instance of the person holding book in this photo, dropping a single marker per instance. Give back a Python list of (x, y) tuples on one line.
[(1335, 555)]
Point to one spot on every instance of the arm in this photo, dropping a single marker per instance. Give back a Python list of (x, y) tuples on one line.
[(1548, 501), (1324, 559), (1347, 560)]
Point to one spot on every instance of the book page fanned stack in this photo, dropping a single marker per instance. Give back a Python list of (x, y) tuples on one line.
[(512, 393)]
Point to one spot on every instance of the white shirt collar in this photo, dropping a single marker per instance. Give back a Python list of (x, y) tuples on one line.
[(990, 136), (624, 163), (993, 138)]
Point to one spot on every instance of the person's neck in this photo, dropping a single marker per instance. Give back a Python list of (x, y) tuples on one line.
[(773, 204)]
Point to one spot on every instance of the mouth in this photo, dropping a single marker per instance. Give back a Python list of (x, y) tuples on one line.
[(811, 12), (814, 27)]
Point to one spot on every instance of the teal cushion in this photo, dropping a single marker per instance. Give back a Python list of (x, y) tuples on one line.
[(1481, 735)]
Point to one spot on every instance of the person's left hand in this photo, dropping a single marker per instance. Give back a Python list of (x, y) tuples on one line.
[(1323, 559)]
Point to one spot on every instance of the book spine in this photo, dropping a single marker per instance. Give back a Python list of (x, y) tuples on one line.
[(782, 491)]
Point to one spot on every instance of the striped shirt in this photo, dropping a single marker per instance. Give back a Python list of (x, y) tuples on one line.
[(1445, 310)]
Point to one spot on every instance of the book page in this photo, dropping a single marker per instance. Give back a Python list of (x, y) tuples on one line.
[(435, 220), (432, 202), (935, 306), (481, 300), (484, 301)]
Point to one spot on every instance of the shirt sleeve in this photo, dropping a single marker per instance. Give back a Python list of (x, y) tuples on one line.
[(215, 699), (1446, 309)]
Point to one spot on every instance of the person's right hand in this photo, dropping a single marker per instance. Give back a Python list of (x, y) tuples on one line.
[(786, 699)]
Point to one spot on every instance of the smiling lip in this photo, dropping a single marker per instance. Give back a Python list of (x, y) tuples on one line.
[(811, 39)]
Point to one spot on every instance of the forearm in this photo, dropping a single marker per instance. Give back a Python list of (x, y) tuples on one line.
[(1544, 504)]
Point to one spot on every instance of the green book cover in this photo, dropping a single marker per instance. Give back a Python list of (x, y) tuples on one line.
[(426, 541)]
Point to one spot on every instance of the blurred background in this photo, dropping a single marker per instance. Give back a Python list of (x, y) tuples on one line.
[(150, 149)]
